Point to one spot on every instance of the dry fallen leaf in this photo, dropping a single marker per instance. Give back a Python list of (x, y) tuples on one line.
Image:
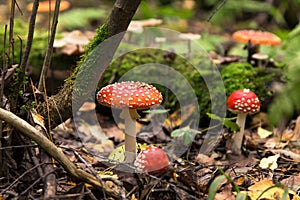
[(87, 106), (269, 162), (263, 133), (258, 188), (240, 181), (297, 130), (292, 182), (106, 146), (287, 135), (225, 194), (292, 155), (177, 118), (275, 143), (204, 159), (38, 119)]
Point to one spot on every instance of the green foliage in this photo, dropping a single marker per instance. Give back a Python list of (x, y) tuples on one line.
[(241, 196), (227, 122), (101, 35), (132, 59), (156, 111), (146, 10), (243, 75), (213, 188), (80, 18), (39, 43), (287, 102), (186, 133), (235, 9)]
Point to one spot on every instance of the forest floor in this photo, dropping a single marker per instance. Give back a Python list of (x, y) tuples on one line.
[(269, 165)]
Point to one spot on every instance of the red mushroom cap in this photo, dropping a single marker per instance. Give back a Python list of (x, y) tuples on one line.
[(152, 159), (256, 37), (129, 94), (243, 101)]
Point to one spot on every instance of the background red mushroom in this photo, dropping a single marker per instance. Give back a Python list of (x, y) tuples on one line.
[(129, 96), (255, 38), (241, 102), (151, 160)]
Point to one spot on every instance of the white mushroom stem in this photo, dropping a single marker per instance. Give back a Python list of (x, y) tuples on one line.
[(130, 116), (238, 136)]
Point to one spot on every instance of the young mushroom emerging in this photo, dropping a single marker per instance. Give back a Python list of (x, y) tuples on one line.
[(241, 102), (152, 160), (255, 38), (129, 96)]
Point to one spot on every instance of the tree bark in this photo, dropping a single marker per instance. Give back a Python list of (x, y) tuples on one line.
[(59, 106)]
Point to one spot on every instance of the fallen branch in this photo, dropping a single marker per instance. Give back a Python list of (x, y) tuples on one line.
[(52, 150)]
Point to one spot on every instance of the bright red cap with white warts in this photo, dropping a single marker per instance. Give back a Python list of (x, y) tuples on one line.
[(129, 94), (151, 159), (243, 101)]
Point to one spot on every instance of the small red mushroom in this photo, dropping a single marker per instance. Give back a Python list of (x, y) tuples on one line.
[(151, 160), (242, 102), (129, 96)]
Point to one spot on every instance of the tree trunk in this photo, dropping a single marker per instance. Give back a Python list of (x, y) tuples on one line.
[(58, 108)]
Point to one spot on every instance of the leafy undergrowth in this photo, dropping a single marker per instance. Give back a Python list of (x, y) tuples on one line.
[(268, 169)]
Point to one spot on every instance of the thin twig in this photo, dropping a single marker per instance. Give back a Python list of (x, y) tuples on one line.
[(48, 56), (11, 31), (3, 73), (19, 9), (57, 154), (36, 182), (219, 6), (29, 37), (19, 146), (21, 48), (19, 178)]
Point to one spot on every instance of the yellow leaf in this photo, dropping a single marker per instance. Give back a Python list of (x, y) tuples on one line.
[(269, 162), (240, 181), (272, 193), (133, 197), (118, 154), (263, 133), (38, 119), (70, 183), (177, 118)]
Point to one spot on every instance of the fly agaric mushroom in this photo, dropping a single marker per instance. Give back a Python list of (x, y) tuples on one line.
[(129, 96), (256, 38), (241, 102), (152, 160)]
